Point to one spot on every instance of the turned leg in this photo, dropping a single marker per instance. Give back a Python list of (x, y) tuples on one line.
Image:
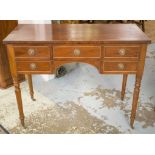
[(125, 76), (135, 99), (30, 83), (19, 99)]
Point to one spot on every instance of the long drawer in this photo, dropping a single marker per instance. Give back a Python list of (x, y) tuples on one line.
[(76, 51), (34, 66), (42, 52)]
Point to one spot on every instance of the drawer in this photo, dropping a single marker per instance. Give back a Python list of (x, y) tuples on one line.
[(121, 51), (33, 66), (32, 51), (120, 67), (76, 52)]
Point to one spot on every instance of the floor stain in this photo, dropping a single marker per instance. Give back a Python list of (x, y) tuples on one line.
[(70, 118), (145, 113)]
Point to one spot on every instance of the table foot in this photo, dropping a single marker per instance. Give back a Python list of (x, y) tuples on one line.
[(131, 124), (32, 98), (22, 122), (135, 100)]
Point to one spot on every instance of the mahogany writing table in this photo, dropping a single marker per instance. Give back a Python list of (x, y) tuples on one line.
[(111, 48)]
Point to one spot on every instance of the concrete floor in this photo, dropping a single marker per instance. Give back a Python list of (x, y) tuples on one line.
[(83, 101)]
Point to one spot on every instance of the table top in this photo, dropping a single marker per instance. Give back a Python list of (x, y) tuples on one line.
[(76, 33)]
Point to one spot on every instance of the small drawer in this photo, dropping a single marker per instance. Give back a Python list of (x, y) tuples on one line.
[(76, 52), (121, 51), (32, 51), (33, 66), (120, 67)]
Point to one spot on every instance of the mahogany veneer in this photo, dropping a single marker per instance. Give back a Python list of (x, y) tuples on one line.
[(111, 48)]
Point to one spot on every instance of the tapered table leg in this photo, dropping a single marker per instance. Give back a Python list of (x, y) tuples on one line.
[(19, 99), (11, 56), (135, 99), (125, 76), (30, 83), (139, 74)]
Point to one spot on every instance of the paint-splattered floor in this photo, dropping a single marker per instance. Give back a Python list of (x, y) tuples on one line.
[(83, 101)]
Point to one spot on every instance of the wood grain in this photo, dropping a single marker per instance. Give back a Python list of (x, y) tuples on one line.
[(77, 33)]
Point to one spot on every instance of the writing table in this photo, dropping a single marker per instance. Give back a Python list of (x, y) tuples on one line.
[(111, 48)]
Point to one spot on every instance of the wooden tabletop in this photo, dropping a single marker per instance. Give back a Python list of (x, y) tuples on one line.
[(76, 33)]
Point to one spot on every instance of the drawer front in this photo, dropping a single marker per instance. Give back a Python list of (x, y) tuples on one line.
[(33, 66), (120, 67), (121, 51), (32, 51), (76, 52)]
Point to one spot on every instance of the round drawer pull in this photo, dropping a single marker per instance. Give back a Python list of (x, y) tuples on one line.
[(122, 52), (77, 52), (120, 66), (33, 66), (31, 52)]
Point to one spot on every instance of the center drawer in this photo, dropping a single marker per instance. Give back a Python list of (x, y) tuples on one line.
[(76, 52), (41, 52)]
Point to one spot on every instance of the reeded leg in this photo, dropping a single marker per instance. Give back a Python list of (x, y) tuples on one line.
[(125, 76), (19, 99), (135, 100), (30, 83)]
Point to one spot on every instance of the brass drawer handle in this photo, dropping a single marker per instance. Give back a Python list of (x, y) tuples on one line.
[(31, 52), (77, 52), (33, 66), (121, 66), (122, 52)]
